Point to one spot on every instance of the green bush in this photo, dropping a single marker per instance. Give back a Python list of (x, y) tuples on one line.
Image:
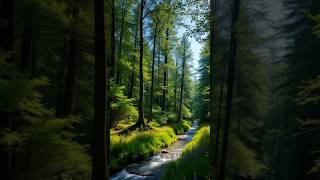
[(181, 127), (138, 145)]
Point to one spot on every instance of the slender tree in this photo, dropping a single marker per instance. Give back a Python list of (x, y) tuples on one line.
[(71, 61), (26, 39), (184, 58), (230, 80), (99, 164), (152, 67), (123, 17), (141, 121), (165, 73), (133, 67)]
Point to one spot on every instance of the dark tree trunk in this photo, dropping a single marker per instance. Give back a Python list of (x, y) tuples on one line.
[(6, 33), (100, 170), (26, 41), (230, 81), (212, 51), (133, 71), (7, 8), (34, 51), (59, 113), (165, 75), (113, 45), (182, 81), (140, 121), (69, 82), (218, 121), (175, 88), (71, 64), (159, 78), (152, 70)]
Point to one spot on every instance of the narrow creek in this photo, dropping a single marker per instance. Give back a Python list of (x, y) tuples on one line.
[(152, 167)]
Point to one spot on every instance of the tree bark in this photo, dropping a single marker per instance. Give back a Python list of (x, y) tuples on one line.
[(6, 33), (230, 83), (71, 64), (100, 130), (132, 77), (165, 75), (118, 80), (175, 87), (212, 51), (7, 8), (152, 69), (140, 121), (26, 40), (182, 79)]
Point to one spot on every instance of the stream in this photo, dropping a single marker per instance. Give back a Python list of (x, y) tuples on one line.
[(152, 167)]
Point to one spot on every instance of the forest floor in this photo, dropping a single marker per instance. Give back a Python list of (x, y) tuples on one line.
[(152, 167)]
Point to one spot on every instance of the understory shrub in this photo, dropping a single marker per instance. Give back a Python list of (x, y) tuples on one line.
[(181, 127)]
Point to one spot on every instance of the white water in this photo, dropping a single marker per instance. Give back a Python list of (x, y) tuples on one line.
[(152, 167)]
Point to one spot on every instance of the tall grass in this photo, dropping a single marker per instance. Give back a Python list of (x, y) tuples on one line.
[(194, 160), (137, 145), (181, 127)]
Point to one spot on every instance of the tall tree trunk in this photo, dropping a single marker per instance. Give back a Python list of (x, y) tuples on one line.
[(100, 169), (26, 40), (123, 14), (70, 77), (175, 87), (7, 8), (231, 69), (59, 109), (34, 51), (6, 32), (212, 51), (159, 78), (182, 80), (113, 45), (218, 121), (165, 75), (133, 71), (71, 64), (152, 71), (140, 121)]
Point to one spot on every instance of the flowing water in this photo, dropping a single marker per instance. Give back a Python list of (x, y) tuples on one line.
[(152, 167)]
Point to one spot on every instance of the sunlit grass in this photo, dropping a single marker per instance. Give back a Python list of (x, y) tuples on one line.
[(194, 160), (139, 144), (181, 127)]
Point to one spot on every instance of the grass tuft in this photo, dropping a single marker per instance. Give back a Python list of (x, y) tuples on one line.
[(181, 127), (137, 145), (194, 160)]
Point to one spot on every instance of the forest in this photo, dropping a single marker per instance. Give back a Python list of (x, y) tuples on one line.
[(159, 89)]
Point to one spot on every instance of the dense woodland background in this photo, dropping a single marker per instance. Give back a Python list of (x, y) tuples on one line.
[(75, 72)]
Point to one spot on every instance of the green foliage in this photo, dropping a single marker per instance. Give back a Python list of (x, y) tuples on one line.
[(122, 106), (194, 160), (181, 127), (139, 144), (34, 135), (309, 95)]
